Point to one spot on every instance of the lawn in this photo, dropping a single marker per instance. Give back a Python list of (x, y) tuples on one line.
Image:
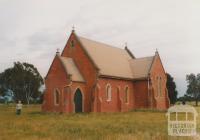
[(35, 125)]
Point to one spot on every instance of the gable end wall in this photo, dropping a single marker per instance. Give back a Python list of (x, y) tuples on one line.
[(157, 70), (56, 79), (85, 66)]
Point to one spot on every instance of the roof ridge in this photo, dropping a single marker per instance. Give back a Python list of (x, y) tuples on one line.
[(105, 44), (144, 57), (129, 52)]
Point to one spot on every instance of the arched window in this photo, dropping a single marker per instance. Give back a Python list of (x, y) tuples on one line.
[(160, 86), (157, 80), (72, 43), (108, 93), (126, 97), (56, 97)]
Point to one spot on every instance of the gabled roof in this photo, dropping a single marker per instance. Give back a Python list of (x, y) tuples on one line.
[(111, 61), (141, 67), (71, 69)]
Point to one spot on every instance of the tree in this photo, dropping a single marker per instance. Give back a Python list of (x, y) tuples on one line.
[(1, 90), (24, 80), (185, 98), (171, 87), (193, 87)]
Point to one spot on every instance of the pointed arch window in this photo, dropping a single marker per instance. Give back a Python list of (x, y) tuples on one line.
[(72, 43), (159, 86), (56, 96), (108, 93), (126, 97), (158, 92)]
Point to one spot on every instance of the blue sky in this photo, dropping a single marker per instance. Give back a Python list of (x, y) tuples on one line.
[(32, 30)]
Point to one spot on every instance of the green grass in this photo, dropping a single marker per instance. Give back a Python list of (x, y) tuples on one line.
[(35, 125)]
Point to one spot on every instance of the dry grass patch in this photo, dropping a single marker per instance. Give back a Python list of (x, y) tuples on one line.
[(34, 125)]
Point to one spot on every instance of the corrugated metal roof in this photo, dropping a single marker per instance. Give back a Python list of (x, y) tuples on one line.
[(71, 69), (141, 66), (111, 61)]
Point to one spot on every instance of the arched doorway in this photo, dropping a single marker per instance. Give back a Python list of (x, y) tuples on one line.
[(78, 99)]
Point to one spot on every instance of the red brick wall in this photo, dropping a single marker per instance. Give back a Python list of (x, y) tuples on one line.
[(85, 66), (116, 86), (97, 101), (162, 101), (141, 94), (56, 79)]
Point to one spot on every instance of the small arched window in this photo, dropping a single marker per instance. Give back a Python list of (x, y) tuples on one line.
[(157, 81), (72, 43), (56, 97), (126, 97), (108, 93), (160, 86)]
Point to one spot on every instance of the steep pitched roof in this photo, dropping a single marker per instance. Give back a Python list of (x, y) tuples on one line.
[(110, 60), (141, 66), (71, 69)]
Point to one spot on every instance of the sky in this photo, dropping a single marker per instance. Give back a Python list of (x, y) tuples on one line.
[(32, 30)]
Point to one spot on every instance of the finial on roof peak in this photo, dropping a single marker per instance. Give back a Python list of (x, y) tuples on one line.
[(156, 51), (126, 44), (57, 51), (73, 28)]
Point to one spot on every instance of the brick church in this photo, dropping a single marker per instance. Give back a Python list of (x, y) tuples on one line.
[(89, 76)]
